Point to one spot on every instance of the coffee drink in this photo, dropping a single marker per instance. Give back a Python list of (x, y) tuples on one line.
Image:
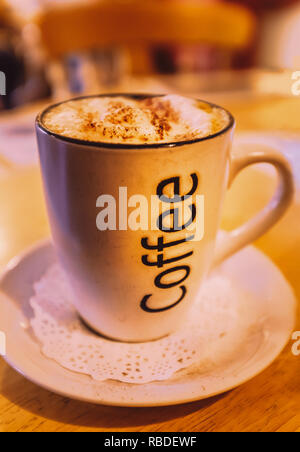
[(149, 120), (104, 160)]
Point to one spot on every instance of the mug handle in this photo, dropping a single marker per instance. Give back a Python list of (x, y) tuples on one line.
[(246, 155)]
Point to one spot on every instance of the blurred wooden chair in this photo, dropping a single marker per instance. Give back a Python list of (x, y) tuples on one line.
[(138, 25)]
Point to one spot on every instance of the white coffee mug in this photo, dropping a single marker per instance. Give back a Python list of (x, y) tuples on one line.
[(134, 284)]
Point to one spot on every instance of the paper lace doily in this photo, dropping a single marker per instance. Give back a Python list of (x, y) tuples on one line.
[(215, 324)]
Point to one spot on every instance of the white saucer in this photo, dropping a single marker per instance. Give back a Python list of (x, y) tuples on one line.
[(255, 275)]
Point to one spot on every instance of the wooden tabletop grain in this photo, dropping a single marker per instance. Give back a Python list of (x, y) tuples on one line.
[(269, 403)]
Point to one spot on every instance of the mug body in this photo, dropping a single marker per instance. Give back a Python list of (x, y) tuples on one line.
[(134, 227)]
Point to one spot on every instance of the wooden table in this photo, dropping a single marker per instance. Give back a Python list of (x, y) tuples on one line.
[(270, 402)]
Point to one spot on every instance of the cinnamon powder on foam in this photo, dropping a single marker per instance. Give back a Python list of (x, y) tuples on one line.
[(124, 120)]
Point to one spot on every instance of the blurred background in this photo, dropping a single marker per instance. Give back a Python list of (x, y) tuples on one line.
[(51, 49)]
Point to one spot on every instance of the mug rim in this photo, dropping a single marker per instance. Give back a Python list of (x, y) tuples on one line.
[(128, 146)]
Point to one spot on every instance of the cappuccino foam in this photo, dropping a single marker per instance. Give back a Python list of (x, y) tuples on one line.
[(125, 120)]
